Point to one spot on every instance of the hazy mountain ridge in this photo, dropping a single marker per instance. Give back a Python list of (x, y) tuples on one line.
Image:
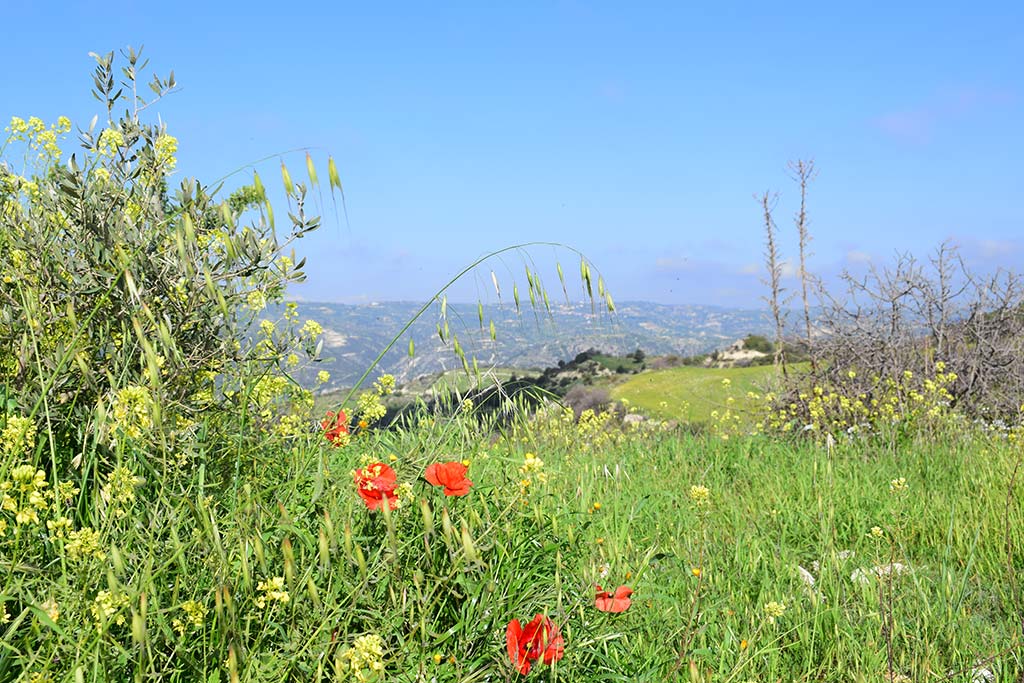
[(355, 334)]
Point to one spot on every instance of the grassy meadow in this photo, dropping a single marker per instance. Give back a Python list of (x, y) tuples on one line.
[(692, 394), (275, 569)]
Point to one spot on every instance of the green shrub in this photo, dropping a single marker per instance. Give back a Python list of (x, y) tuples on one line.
[(128, 308), (756, 342)]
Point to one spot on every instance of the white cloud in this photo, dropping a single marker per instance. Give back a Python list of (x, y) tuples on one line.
[(669, 264), (855, 256), (994, 248), (918, 124)]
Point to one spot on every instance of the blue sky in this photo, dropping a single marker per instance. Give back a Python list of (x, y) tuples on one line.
[(636, 132)]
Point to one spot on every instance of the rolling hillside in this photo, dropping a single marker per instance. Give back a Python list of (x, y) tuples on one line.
[(354, 335), (690, 394)]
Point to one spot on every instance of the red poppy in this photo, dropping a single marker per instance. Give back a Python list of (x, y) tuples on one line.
[(540, 639), (335, 427), (376, 485), (450, 475), (619, 602)]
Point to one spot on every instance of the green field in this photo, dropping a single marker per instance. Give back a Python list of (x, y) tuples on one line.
[(691, 394), (719, 583)]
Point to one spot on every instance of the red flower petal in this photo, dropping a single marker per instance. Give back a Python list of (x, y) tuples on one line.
[(555, 649), (619, 602), (460, 489), (334, 426), (376, 485), (431, 474), (450, 475), (539, 639), (513, 635)]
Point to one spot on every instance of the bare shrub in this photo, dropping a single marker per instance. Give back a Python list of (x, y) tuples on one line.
[(775, 298), (663, 362), (908, 316), (581, 398), (803, 172)]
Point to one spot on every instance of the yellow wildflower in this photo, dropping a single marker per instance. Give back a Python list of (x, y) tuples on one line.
[(119, 491), (59, 527), (17, 128), (195, 616), (131, 411), (165, 147), (109, 142), (312, 329), (18, 436), (700, 495), (273, 591), (83, 544), (105, 609), (898, 485), (365, 658), (773, 610)]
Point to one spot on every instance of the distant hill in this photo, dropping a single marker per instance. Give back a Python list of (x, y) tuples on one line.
[(355, 334)]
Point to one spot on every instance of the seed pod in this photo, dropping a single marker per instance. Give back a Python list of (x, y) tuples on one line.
[(257, 546), (332, 174), (312, 591), (428, 518), (311, 170), (347, 538), (325, 551), (246, 572), (139, 626), (468, 545), (232, 664), (287, 179), (289, 559), (360, 562), (328, 524)]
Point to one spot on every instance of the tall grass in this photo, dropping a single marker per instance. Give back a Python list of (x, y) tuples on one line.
[(438, 579)]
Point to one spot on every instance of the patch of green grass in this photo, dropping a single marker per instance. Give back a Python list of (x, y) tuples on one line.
[(778, 506), (691, 394), (439, 578), (618, 364)]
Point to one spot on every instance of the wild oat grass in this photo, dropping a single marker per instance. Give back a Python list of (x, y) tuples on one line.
[(750, 559)]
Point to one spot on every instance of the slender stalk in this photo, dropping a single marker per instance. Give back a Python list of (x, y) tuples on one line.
[(437, 295)]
